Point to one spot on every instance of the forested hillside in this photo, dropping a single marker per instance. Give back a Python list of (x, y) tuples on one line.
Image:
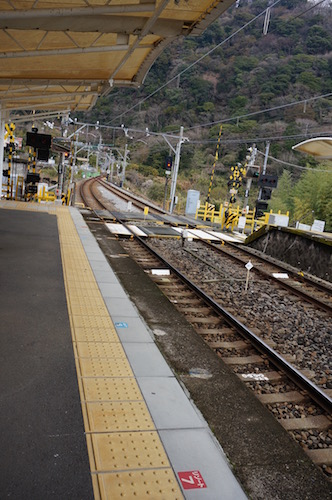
[(241, 74)]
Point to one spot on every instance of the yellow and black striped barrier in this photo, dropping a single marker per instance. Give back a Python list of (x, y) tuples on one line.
[(214, 164), (10, 134)]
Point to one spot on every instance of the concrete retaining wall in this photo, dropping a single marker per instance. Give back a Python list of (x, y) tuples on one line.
[(307, 252)]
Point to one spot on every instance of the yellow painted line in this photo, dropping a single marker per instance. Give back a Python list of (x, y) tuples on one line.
[(127, 457)]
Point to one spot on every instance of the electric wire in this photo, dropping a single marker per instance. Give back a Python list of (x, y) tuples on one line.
[(245, 140), (195, 62), (301, 14), (213, 49), (295, 166), (261, 111)]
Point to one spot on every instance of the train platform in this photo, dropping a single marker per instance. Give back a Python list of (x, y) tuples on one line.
[(90, 408)]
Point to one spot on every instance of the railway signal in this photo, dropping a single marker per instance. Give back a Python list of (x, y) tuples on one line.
[(268, 181), (168, 165), (235, 181), (252, 171), (266, 193), (261, 207)]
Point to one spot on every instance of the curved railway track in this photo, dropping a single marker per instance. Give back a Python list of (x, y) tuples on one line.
[(127, 196), (313, 290), (303, 408)]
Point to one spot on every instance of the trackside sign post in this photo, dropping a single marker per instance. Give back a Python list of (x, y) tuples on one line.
[(248, 266)]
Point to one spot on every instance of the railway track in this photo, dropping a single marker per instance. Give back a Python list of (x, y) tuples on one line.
[(313, 291), (302, 408), (127, 196)]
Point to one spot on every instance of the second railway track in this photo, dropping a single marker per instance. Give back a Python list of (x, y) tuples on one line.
[(302, 406)]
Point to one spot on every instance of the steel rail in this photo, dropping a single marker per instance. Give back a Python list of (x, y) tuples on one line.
[(318, 282), (136, 201), (297, 291), (321, 398), (88, 184), (295, 375)]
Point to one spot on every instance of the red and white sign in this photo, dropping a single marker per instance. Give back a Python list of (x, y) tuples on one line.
[(191, 479)]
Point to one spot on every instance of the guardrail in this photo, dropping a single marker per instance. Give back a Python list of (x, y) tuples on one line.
[(229, 217)]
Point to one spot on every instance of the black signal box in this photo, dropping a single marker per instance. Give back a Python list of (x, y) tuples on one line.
[(168, 163), (39, 141), (43, 154), (32, 189), (266, 193), (268, 181), (32, 178), (261, 206)]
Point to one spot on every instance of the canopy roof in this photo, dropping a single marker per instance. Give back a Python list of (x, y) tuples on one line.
[(318, 146), (64, 54)]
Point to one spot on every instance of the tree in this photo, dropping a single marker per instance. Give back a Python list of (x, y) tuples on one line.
[(313, 192), (282, 197), (318, 40)]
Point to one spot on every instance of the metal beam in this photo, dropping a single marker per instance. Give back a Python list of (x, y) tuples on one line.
[(38, 116), (42, 105), (10, 15), (63, 94), (11, 91), (57, 52), (47, 81), (130, 25), (147, 28)]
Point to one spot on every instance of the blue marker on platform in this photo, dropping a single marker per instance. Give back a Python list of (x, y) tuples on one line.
[(121, 324)]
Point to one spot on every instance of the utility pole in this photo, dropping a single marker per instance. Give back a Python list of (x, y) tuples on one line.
[(214, 164), (176, 169), (112, 166), (267, 149), (250, 165), (124, 164), (98, 152), (61, 174)]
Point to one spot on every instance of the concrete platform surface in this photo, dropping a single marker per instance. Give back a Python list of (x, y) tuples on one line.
[(43, 452), (90, 408)]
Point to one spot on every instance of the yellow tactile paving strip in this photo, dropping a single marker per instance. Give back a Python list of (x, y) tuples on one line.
[(127, 458)]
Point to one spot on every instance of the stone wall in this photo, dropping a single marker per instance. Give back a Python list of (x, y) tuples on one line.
[(309, 253)]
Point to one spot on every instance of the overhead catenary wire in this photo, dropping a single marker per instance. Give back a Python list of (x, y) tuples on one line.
[(212, 50), (261, 111), (196, 62), (302, 13), (241, 140), (295, 166), (246, 140)]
